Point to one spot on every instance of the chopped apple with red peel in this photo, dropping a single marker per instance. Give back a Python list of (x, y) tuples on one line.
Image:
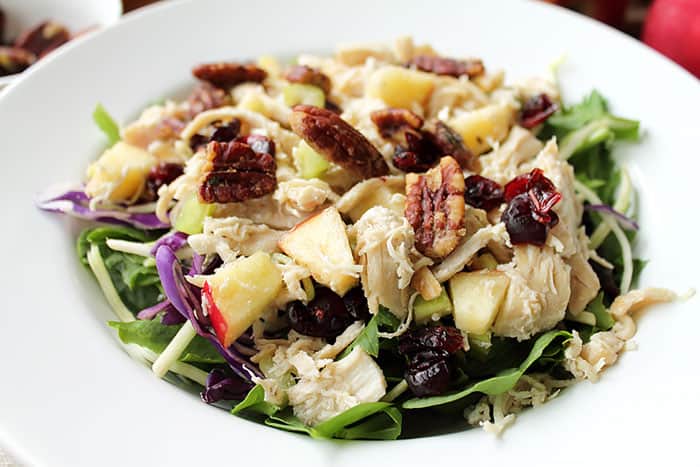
[(320, 243), (239, 293)]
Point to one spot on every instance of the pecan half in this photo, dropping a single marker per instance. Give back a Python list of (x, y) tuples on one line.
[(447, 66), (43, 38), (206, 97), (228, 74), (303, 74), (449, 142), (337, 141), (435, 208), (235, 173), (14, 60), (391, 121)]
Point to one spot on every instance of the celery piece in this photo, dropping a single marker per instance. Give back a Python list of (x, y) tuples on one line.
[(190, 215), (311, 164), (424, 310), (303, 94)]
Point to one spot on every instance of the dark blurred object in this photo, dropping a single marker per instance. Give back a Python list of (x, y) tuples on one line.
[(134, 4), (673, 28), (611, 12)]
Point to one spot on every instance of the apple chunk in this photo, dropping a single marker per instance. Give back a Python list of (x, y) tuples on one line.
[(477, 297), (320, 243), (238, 294)]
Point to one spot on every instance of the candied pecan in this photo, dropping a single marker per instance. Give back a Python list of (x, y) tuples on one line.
[(43, 38), (228, 74), (14, 60), (447, 66), (303, 74), (450, 143), (337, 141), (235, 173), (391, 121), (435, 208), (206, 97)]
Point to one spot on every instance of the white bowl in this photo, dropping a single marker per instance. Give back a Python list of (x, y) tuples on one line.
[(69, 395), (76, 15)]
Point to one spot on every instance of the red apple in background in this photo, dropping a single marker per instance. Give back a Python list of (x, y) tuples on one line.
[(673, 28)]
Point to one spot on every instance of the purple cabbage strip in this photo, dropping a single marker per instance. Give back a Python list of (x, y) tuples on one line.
[(151, 312), (172, 317), (221, 387), (75, 203), (175, 240), (188, 303), (625, 222)]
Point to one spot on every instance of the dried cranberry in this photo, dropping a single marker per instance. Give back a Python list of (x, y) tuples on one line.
[(482, 192), (418, 155), (536, 110), (335, 108), (226, 133), (428, 378), (324, 316), (160, 175), (542, 192), (444, 338), (521, 224), (516, 187), (356, 304), (259, 143)]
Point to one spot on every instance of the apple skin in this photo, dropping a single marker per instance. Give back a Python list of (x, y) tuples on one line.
[(218, 321)]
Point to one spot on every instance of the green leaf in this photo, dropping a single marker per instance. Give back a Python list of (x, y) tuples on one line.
[(592, 107), (155, 336), (368, 339), (603, 318), (497, 384), (106, 123), (384, 425), (255, 402), (137, 283), (370, 420)]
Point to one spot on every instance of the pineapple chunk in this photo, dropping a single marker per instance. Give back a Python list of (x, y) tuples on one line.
[(477, 298), (482, 126), (400, 87), (238, 294), (320, 243), (119, 175)]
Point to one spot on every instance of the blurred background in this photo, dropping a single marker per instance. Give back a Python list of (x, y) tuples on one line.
[(670, 26)]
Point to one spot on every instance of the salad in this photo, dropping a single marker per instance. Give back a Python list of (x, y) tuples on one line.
[(345, 246)]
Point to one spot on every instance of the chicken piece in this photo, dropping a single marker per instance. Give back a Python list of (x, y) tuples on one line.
[(299, 195), (538, 294), (467, 249), (156, 123), (379, 191), (451, 93), (584, 281), (383, 246), (503, 163), (230, 237), (264, 210), (405, 49), (357, 54), (340, 386)]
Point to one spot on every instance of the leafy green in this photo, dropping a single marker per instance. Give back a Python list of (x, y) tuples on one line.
[(255, 402), (136, 281), (369, 337), (603, 319), (497, 384), (106, 123), (371, 420), (155, 336)]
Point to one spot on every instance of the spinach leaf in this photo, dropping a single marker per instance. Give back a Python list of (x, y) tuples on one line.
[(255, 402), (497, 384), (370, 420), (155, 336), (136, 281), (106, 123), (603, 320), (369, 337)]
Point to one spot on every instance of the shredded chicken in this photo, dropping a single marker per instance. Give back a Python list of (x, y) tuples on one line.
[(384, 245), (538, 294), (232, 236), (503, 163), (304, 196), (380, 191)]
